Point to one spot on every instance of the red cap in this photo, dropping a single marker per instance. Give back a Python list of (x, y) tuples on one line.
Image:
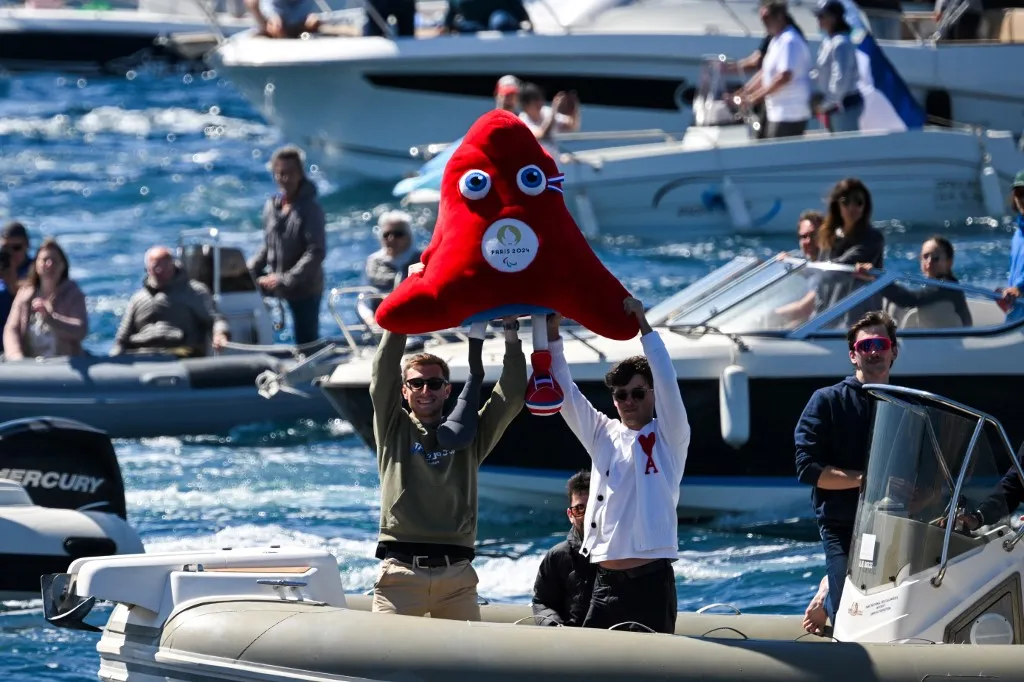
[(507, 85)]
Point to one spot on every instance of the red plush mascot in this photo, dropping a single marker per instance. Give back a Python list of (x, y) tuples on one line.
[(505, 244)]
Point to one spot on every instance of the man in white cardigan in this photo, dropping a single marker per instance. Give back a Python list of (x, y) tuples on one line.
[(631, 526)]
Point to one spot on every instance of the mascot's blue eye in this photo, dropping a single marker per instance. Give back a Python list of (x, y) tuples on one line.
[(531, 180), (475, 184)]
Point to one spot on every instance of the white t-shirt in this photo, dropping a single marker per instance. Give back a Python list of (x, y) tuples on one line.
[(792, 102), (562, 123)]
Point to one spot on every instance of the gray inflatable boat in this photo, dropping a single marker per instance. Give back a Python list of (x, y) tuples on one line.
[(922, 601), (139, 396)]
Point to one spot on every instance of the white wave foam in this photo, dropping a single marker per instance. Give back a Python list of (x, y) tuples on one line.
[(137, 123)]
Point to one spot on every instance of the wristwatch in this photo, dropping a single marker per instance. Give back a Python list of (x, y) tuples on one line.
[(511, 327)]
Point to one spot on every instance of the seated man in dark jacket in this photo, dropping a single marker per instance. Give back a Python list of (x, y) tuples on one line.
[(562, 591), (170, 313)]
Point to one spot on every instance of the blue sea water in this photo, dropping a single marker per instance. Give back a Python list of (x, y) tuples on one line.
[(111, 166)]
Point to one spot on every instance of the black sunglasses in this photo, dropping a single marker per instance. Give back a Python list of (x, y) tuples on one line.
[(578, 510), (637, 394), (397, 234), (434, 383)]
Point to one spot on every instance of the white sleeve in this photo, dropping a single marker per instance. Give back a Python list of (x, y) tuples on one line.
[(583, 419), (789, 55), (534, 128), (668, 402)]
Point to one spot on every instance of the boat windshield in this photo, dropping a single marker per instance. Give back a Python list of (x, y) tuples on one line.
[(780, 296), (920, 447)]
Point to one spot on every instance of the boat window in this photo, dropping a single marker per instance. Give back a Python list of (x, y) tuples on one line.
[(729, 295), (917, 451), (917, 303), (787, 302), (705, 287)]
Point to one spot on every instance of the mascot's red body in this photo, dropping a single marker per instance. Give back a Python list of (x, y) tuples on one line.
[(505, 244)]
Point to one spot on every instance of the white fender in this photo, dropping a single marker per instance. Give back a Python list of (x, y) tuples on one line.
[(737, 207), (587, 217), (991, 192), (734, 405)]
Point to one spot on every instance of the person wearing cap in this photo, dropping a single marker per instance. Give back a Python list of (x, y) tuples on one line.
[(470, 16), (1015, 281), (389, 265), (15, 264), (784, 81), (837, 72), (506, 94)]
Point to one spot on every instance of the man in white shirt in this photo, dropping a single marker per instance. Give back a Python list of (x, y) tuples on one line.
[(631, 526), (784, 82)]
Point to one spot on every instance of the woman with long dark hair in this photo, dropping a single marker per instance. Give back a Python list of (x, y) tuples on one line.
[(847, 235), (48, 318), (838, 74)]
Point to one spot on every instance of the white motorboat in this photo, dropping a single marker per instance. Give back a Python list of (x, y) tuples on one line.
[(921, 600), (745, 374), (118, 36), (722, 180), (61, 498), (635, 66)]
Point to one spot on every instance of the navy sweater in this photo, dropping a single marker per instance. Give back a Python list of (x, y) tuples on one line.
[(833, 430), (1005, 500)]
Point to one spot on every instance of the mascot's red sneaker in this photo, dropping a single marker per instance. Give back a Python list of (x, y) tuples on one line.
[(543, 394)]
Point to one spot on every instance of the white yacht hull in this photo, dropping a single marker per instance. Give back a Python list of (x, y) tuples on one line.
[(719, 182)]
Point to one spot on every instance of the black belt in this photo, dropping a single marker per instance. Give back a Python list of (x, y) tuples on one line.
[(424, 561), (646, 569)]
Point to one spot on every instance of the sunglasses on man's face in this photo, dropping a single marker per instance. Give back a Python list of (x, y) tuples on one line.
[(638, 393), (874, 344), (17, 247), (578, 510), (434, 383), (395, 234)]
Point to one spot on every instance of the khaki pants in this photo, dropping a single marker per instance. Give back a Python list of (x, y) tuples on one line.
[(445, 592)]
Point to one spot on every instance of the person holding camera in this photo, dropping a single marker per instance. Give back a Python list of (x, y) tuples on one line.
[(546, 122), (14, 267)]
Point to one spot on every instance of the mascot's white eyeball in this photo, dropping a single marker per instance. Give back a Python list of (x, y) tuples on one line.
[(531, 180), (475, 184)]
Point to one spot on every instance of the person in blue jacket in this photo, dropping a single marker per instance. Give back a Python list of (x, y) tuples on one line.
[(1015, 281), (832, 443)]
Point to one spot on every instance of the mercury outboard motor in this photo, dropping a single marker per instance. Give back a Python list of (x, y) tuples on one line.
[(61, 498), (62, 464)]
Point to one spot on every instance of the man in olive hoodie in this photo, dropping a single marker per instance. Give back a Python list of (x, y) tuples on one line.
[(428, 509)]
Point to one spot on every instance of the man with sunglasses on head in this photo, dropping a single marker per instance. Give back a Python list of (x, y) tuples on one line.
[(428, 473), (565, 580), (15, 264), (832, 448), (631, 526)]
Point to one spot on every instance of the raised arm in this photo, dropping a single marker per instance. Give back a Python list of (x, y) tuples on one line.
[(672, 419), (582, 418), (459, 428), (386, 385), (508, 396)]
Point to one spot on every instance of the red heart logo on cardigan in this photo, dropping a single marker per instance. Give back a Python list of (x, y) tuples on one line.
[(647, 443)]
